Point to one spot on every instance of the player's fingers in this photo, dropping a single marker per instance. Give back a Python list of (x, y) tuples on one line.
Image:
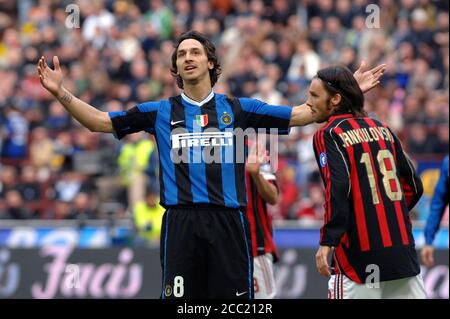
[(376, 77), (322, 265), (56, 63), (40, 73), (44, 64), (427, 258), (41, 69), (378, 68), (379, 73), (362, 65), (374, 84), (324, 271), (41, 62)]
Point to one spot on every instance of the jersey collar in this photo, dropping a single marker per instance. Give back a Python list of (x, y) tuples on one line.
[(339, 116), (191, 101)]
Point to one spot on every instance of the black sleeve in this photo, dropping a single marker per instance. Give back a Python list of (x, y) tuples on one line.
[(334, 168), (139, 118)]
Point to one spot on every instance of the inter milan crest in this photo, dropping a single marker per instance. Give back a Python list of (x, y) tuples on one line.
[(202, 120), (226, 118)]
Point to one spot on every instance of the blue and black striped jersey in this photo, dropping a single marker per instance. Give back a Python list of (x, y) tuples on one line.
[(201, 145)]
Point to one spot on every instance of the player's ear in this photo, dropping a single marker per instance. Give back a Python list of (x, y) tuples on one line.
[(210, 65), (336, 100)]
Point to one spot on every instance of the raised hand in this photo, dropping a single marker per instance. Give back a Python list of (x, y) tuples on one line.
[(367, 80), (50, 79), (257, 156)]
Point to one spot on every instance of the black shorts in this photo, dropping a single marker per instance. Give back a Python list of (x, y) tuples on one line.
[(206, 253)]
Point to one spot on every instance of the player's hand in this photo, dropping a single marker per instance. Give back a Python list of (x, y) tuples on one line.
[(322, 261), (50, 79), (256, 157), (367, 80), (427, 254)]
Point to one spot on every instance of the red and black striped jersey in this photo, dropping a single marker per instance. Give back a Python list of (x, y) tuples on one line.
[(260, 222), (370, 187)]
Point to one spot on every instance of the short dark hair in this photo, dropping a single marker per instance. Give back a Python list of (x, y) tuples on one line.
[(210, 50), (339, 79)]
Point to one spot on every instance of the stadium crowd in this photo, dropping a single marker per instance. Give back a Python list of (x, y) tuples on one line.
[(119, 55)]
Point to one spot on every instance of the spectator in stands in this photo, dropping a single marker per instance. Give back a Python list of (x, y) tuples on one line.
[(288, 191), (147, 215), (306, 57), (8, 179), (57, 118), (42, 149), (160, 17), (267, 92), (419, 141), (14, 146), (311, 205), (30, 189), (133, 162), (60, 210), (15, 206), (96, 25), (82, 207)]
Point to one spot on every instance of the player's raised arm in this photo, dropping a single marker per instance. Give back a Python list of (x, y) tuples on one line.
[(90, 117), (367, 80)]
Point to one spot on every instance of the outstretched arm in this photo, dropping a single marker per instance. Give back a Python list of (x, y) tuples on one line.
[(367, 80), (90, 117)]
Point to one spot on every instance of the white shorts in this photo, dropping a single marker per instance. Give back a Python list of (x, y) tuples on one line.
[(263, 278), (341, 287)]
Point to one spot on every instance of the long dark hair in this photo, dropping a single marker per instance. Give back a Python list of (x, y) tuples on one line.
[(210, 50), (338, 79)]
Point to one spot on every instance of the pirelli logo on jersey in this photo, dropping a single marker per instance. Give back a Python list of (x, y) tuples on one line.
[(184, 140), (371, 134), (215, 146), (209, 146)]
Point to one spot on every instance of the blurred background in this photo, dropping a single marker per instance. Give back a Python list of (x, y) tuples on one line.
[(71, 197)]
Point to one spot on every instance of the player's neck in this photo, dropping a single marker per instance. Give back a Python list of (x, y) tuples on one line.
[(198, 91)]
